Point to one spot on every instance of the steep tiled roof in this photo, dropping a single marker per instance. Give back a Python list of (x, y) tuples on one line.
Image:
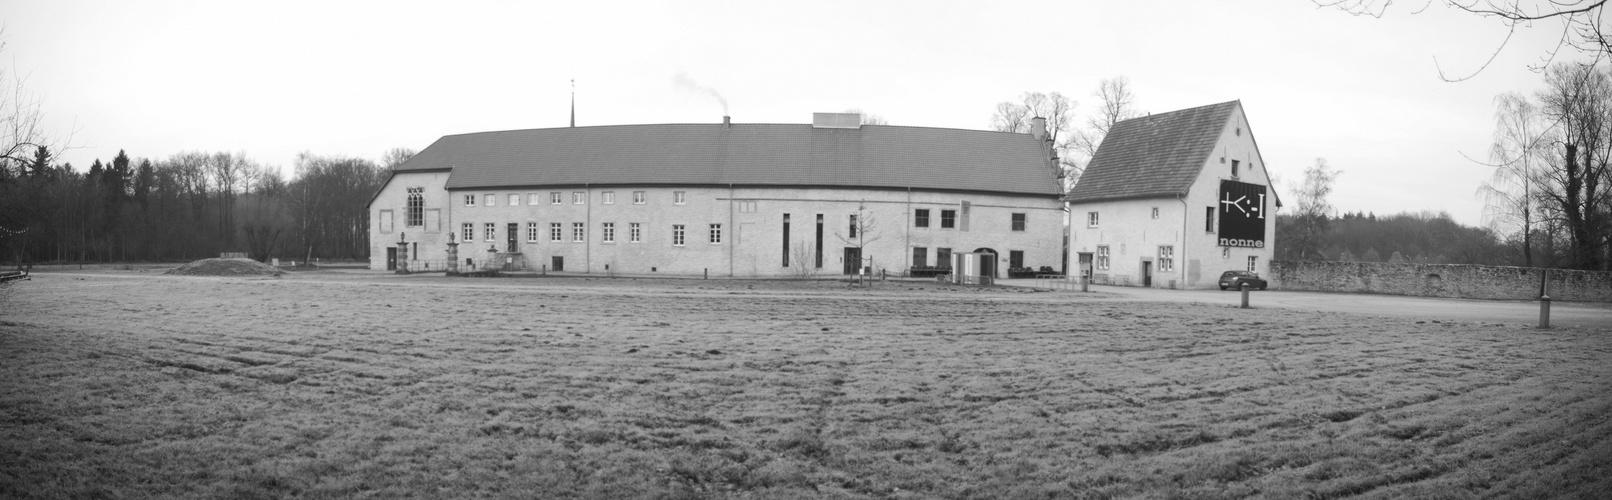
[(743, 154), (1156, 155)]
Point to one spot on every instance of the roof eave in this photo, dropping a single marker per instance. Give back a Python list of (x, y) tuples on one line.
[(1140, 196)]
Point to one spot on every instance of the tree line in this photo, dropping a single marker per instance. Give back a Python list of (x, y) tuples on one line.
[(187, 206)]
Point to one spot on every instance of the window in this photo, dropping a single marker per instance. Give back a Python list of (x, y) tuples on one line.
[(920, 257), (607, 198), (638, 197), (747, 207), (490, 231), (1234, 168), (577, 230), (1018, 223), (489, 200), (1102, 257), (609, 232), (853, 225), (1166, 258), (633, 232), (943, 257), (554, 198), (817, 258), (1091, 219), (1253, 263), (470, 200), (920, 217), (1155, 212), (469, 232), (532, 199), (1209, 219), (716, 234), (1015, 258), (678, 198), (514, 199), (948, 219), (554, 232), (415, 217), (579, 198), (677, 235), (531, 232), (386, 221)]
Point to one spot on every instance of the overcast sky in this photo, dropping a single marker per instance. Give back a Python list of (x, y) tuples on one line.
[(356, 78)]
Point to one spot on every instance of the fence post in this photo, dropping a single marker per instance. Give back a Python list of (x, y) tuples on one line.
[(1245, 295)]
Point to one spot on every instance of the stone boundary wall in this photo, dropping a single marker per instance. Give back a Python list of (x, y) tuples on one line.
[(1440, 280)]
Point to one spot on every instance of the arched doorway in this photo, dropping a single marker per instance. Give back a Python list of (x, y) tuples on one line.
[(993, 261)]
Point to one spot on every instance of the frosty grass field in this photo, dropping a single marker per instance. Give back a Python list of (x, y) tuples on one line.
[(328, 384)]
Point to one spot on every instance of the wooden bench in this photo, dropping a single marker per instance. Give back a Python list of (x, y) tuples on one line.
[(10, 276)]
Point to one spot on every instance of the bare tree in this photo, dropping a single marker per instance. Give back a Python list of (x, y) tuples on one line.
[(804, 257), (1578, 98), (1519, 140), (395, 157), (1058, 111), (1582, 28), (21, 129), (1309, 225), (1116, 103), (863, 228), (869, 118)]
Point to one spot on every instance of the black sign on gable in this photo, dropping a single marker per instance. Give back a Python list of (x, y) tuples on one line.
[(1242, 214)]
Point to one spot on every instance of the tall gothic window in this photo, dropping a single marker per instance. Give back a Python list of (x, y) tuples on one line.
[(416, 212)]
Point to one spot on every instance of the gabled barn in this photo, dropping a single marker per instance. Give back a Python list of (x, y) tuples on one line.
[(728, 199), (1172, 200)]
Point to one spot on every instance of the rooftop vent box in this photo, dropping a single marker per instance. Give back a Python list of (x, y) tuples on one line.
[(836, 120)]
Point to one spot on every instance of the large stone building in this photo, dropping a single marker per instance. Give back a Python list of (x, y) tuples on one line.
[(727, 199), (1174, 199)]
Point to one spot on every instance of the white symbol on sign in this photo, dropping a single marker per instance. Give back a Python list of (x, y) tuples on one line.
[(1248, 211)]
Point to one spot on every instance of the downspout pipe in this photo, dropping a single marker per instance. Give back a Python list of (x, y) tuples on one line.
[(1185, 215), (733, 230)]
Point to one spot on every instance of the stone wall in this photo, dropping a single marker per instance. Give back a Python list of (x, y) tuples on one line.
[(1440, 280)]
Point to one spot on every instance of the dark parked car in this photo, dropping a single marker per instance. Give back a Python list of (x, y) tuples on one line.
[(1236, 279)]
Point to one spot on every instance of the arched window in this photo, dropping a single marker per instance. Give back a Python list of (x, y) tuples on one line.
[(416, 211)]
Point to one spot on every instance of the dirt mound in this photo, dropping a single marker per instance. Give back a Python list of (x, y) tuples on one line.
[(226, 267)]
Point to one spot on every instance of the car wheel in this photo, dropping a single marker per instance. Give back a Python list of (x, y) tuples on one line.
[(1222, 288), (1262, 286)]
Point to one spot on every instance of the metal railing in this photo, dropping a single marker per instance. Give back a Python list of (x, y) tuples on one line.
[(428, 266), (1056, 282)]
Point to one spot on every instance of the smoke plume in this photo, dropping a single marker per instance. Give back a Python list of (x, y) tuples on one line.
[(683, 81)]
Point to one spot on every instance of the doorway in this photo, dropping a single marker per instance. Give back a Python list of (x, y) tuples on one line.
[(559, 263), (514, 230), (1147, 273), (990, 269), (391, 258), (1085, 265), (853, 259)]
